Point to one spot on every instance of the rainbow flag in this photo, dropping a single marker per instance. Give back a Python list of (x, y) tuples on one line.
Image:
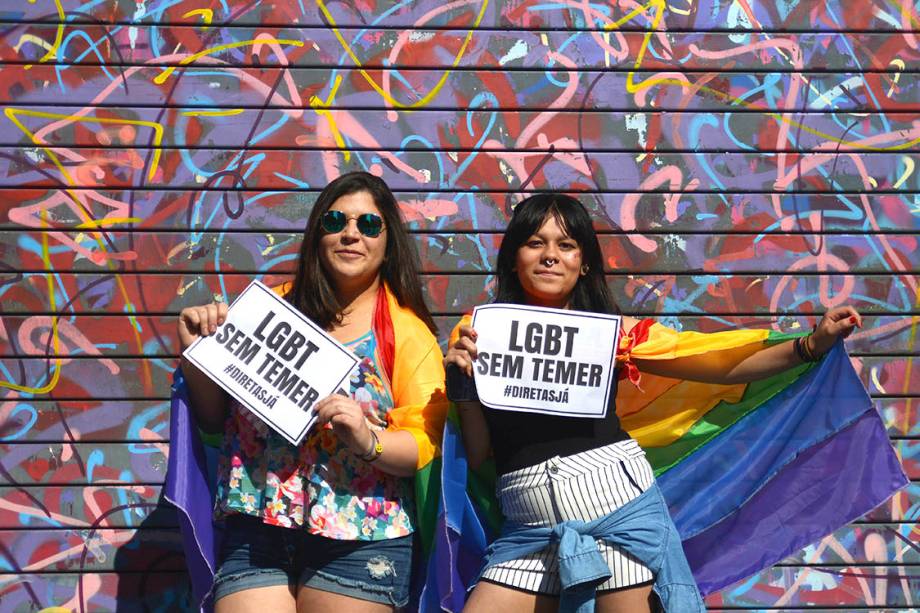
[(189, 488), (751, 472)]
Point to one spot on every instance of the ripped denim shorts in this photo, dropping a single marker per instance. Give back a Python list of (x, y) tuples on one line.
[(255, 554)]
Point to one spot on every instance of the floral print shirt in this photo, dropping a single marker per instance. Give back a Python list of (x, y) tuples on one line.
[(320, 485)]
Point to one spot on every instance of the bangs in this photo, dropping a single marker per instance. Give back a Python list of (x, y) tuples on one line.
[(556, 213)]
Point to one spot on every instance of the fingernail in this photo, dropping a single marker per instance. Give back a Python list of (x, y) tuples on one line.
[(853, 320)]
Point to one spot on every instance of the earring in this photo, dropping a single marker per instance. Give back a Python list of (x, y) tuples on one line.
[(584, 269)]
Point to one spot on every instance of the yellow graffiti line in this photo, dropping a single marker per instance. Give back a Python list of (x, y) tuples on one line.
[(110, 221), (223, 113), (901, 66), (321, 107), (377, 88), (908, 170), (207, 15), (58, 35), (12, 114), (31, 38), (632, 87), (161, 78), (647, 39), (639, 10)]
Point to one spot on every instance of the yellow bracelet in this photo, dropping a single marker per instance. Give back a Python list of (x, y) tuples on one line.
[(375, 450)]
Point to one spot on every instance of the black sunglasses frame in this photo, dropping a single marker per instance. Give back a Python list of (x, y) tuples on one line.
[(369, 224)]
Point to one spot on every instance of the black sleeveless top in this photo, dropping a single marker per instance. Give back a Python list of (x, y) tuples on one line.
[(523, 439)]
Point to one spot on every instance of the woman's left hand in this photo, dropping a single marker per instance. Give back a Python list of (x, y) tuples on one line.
[(347, 420), (839, 321)]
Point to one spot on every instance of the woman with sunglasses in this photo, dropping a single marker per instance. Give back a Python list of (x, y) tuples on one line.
[(552, 469), (329, 525)]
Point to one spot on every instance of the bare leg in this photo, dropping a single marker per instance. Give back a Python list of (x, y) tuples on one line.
[(274, 598), (310, 600), (488, 597), (636, 599)]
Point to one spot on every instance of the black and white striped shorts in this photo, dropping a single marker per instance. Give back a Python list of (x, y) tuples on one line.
[(584, 486)]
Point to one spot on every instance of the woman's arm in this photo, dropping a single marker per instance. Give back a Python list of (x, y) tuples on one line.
[(400, 449), (209, 400), (475, 431), (724, 367), (476, 438), (415, 424)]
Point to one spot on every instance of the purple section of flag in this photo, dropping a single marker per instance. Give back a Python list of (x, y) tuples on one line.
[(827, 486), (188, 488), (716, 480), (460, 538)]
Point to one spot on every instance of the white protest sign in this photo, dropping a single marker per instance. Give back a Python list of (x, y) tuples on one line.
[(274, 360), (543, 360)]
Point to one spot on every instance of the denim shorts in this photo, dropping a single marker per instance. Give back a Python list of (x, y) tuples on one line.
[(255, 554)]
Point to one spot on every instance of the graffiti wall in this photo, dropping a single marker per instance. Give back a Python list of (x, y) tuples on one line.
[(748, 163)]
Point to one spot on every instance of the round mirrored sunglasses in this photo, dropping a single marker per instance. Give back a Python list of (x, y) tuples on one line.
[(369, 224)]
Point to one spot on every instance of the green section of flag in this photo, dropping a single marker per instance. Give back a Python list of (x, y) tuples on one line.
[(427, 492), (724, 414)]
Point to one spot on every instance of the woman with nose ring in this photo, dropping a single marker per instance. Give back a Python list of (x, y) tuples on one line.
[(556, 471), (328, 525)]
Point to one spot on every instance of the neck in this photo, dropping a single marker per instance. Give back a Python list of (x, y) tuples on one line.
[(358, 297), (551, 304)]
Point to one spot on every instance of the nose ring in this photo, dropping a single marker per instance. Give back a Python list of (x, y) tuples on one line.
[(549, 261)]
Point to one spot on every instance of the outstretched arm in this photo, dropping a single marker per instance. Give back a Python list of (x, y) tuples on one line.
[(725, 368)]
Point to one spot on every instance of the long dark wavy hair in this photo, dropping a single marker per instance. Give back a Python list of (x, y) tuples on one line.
[(313, 292), (590, 292)]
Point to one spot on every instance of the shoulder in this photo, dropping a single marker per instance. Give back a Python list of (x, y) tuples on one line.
[(283, 289), (466, 320), (417, 359), (408, 328)]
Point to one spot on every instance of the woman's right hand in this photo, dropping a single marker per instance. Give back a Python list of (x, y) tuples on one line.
[(200, 321), (463, 352)]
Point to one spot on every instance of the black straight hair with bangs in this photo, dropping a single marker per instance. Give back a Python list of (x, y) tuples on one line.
[(590, 293), (313, 293)]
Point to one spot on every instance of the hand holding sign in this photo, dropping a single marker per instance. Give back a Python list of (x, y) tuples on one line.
[(199, 321), (544, 360), (463, 352), (271, 358), (346, 417)]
